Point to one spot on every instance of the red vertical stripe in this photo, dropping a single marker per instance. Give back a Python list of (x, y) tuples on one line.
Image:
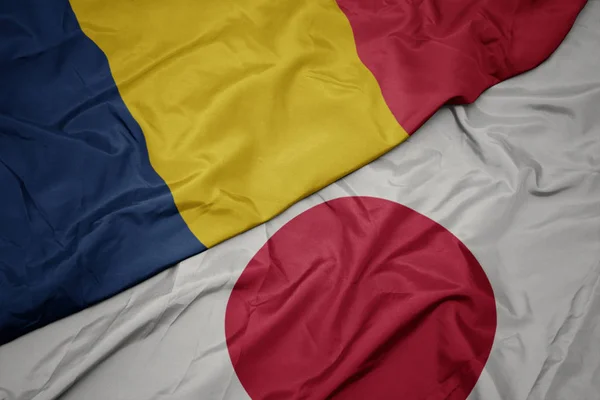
[(426, 53)]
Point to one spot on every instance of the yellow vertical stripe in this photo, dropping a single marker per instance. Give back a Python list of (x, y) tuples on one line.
[(246, 105)]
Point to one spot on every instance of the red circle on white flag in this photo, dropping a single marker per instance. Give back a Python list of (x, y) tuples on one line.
[(361, 298)]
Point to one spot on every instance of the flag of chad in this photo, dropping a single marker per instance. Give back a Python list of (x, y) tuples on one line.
[(136, 134)]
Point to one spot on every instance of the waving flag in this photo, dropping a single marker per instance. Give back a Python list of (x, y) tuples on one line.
[(134, 135), (460, 265)]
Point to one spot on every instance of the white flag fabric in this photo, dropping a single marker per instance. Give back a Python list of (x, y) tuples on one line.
[(511, 181)]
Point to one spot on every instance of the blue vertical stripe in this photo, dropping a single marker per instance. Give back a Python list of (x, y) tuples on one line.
[(82, 213)]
